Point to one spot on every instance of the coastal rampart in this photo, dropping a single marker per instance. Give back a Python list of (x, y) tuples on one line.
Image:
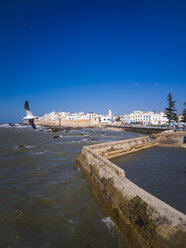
[(64, 123), (142, 219), (170, 138), (115, 149)]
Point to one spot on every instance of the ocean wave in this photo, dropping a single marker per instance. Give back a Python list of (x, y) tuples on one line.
[(15, 125), (74, 141), (18, 125), (37, 153), (22, 147), (29, 147), (67, 136), (4, 125), (21, 126), (68, 142)]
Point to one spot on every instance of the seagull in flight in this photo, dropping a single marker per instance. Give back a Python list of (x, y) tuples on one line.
[(29, 116)]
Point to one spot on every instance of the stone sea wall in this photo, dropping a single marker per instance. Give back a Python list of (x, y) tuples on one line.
[(170, 138), (115, 149), (64, 123), (141, 219)]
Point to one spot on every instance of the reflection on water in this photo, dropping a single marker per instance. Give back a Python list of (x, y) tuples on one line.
[(45, 200), (159, 170)]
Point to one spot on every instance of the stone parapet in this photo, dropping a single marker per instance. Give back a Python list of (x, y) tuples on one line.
[(170, 138), (115, 149), (141, 219)]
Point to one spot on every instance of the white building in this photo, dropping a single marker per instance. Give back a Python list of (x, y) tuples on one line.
[(65, 116), (93, 116), (107, 118), (159, 119), (51, 116), (77, 116), (145, 118)]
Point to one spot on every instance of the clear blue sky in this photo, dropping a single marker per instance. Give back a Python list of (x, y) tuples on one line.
[(91, 55)]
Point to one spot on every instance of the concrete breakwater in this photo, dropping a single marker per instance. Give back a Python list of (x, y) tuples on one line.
[(142, 219)]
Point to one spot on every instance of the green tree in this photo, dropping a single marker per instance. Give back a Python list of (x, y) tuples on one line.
[(170, 111), (184, 113)]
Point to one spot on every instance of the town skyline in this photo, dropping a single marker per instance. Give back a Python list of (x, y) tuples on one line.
[(91, 56), (63, 118), (103, 112)]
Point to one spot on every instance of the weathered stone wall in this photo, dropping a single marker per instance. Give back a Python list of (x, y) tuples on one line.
[(53, 123), (168, 133), (170, 139), (141, 219), (64, 123), (119, 148)]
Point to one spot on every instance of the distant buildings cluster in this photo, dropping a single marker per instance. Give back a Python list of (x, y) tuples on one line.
[(137, 117), (93, 116), (145, 118)]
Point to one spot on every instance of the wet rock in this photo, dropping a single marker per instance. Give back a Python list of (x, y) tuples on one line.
[(49, 130), (12, 124), (80, 134), (67, 129), (54, 129), (93, 139), (56, 136), (21, 146)]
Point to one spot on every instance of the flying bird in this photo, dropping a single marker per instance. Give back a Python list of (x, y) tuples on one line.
[(29, 116)]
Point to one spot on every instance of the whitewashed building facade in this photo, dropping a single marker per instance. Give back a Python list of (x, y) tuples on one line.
[(93, 116), (145, 118)]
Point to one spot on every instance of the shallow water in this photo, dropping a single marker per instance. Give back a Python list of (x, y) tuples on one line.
[(160, 171), (45, 199)]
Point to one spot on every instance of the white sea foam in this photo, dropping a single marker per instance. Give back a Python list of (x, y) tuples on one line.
[(74, 141), (20, 126), (22, 147), (108, 222), (68, 136), (29, 147), (71, 221), (37, 153), (4, 125)]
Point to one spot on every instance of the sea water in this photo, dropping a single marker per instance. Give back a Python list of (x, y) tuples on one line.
[(160, 171), (45, 201)]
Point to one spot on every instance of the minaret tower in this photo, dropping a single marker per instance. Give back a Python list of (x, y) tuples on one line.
[(110, 113)]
